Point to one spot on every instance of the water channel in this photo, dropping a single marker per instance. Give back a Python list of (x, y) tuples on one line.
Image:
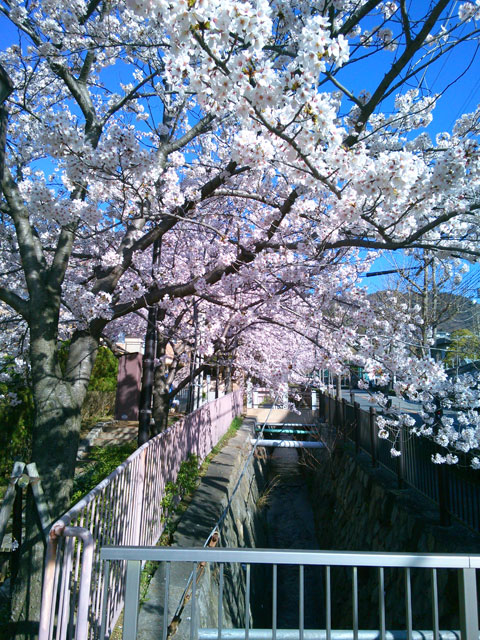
[(290, 525)]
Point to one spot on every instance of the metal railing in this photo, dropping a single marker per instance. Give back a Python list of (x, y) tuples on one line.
[(124, 509), (353, 563), (454, 489)]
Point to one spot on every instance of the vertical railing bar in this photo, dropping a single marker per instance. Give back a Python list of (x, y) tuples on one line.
[(355, 603), (75, 562), (82, 522), (96, 569), (165, 601), (193, 610), (247, 603), (132, 585), (436, 632), (106, 580), (127, 511), (274, 602), (301, 599), (56, 578), (328, 604), (123, 487), (467, 594), (381, 601), (97, 595), (220, 601), (60, 560), (64, 608), (408, 604)]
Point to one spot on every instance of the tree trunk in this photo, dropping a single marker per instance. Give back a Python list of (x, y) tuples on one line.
[(228, 379), (161, 395), (161, 401), (26, 591), (58, 400), (161, 411)]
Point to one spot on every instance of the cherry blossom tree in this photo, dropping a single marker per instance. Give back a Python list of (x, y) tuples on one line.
[(95, 175), (152, 122)]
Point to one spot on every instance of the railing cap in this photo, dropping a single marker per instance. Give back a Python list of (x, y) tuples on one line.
[(293, 556)]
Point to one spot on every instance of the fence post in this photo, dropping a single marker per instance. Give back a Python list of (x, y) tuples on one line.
[(344, 418), (373, 436), (467, 595), (16, 533), (337, 413), (401, 458), (139, 498), (443, 495), (356, 406)]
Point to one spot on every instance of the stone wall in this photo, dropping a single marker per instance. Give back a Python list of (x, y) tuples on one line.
[(360, 508)]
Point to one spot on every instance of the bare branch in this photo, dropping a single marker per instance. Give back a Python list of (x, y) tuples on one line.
[(14, 301)]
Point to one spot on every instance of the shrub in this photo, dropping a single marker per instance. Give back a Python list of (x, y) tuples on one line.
[(98, 404), (104, 461), (16, 418)]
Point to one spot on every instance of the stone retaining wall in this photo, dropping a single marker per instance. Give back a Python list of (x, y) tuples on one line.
[(360, 508)]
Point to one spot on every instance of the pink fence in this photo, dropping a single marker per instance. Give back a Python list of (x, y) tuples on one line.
[(124, 509)]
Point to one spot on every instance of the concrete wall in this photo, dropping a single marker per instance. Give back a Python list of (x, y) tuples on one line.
[(360, 508)]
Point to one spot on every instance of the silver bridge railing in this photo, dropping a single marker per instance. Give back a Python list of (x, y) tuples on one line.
[(222, 560)]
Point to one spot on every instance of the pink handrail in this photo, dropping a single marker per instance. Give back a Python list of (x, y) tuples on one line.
[(123, 509)]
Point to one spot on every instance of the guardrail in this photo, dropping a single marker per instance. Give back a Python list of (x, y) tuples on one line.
[(124, 509), (224, 560), (455, 490)]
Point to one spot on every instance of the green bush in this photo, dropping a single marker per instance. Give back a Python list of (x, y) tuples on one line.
[(104, 372), (16, 419), (185, 485), (104, 461), (97, 405)]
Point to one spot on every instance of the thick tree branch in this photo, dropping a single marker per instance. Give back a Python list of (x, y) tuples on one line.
[(202, 126), (108, 282), (61, 258), (33, 260), (14, 301), (355, 18)]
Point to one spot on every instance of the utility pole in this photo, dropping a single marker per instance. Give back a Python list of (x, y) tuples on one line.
[(148, 362), (193, 361), (146, 393)]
